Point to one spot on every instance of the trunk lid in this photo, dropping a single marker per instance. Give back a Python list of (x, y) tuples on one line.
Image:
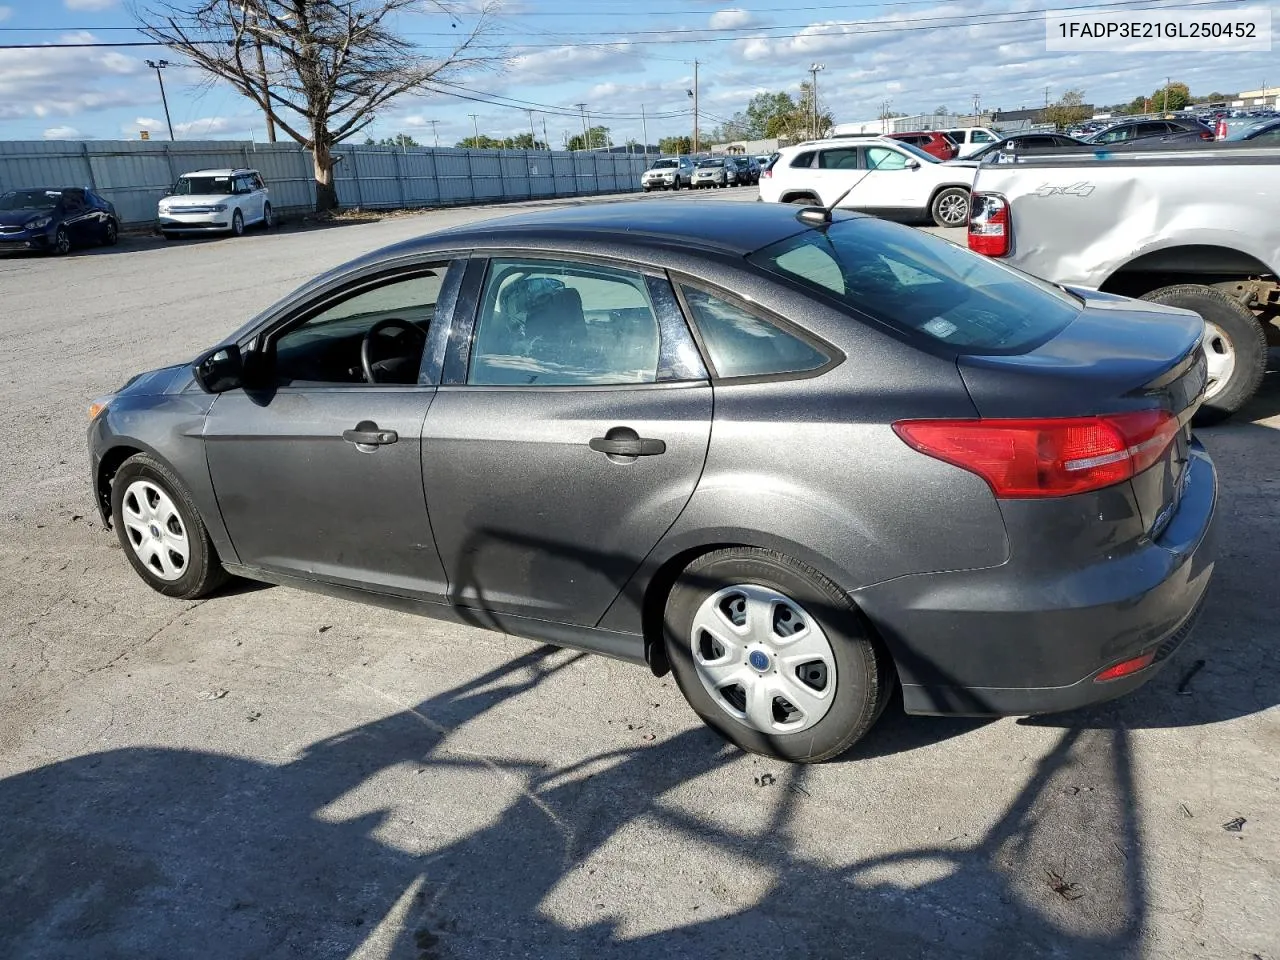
[(1117, 356)]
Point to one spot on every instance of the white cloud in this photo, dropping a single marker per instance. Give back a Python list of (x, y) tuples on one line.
[(553, 65), (730, 19), (63, 133), (89, 6), (5, 13)]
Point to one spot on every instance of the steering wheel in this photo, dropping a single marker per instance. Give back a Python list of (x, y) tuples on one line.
[(366, 345)]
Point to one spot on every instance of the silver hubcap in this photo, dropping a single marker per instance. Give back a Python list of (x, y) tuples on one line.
[(1221, 359), (953, 209), (763, 659), (155, 530)]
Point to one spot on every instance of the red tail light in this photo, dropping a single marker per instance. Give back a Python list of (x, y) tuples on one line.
[(766, 174), (1220, 130), (989, 224), (1056, 457), (1126, 667), (1206, 135)]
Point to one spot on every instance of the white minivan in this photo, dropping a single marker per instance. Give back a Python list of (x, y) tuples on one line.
[(215, 201), (969, 140)]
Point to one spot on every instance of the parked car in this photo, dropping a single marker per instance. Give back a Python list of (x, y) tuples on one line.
[(1023, 141), (970, 140), (747, 170), (935, 144), (714, 172), (886, 177), (1177, 132), (55, 219), (1259, 132), (882, 461), (1136, 223), (215, 201), (668, 173)]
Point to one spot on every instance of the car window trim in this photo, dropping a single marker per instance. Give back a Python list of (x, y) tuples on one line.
[(263, 339), (673, 330), (835, 356)]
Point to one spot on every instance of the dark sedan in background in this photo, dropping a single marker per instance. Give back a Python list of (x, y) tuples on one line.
[(1023, 141), (55, 219), (798, 458), (1181, 132)]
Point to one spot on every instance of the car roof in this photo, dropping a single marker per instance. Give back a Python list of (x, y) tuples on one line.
[(732, 228), (220, 172)]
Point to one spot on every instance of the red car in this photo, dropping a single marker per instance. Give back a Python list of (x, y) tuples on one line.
[(932, 143)]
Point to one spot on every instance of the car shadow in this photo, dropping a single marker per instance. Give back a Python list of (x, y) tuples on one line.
[(148, 852)]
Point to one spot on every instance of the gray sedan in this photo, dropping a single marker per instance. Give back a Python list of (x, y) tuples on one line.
[(800, 461)]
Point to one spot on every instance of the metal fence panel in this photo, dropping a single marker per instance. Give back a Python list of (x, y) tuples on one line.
[(134, 174)]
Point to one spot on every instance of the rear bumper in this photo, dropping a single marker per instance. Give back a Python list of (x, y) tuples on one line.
[(999, 642)]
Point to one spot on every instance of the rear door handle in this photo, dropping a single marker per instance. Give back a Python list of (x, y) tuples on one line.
[(637, 447), (368, 434)]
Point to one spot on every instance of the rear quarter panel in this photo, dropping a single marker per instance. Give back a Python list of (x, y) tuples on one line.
[(1080, 220)]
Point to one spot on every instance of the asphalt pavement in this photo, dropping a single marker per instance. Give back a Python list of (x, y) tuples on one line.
[(271, 774)]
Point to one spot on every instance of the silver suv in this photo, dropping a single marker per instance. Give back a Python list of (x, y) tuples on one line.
[(215, 201), (669, 173)]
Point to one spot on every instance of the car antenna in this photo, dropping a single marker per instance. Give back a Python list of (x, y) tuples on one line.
[(820, 216)]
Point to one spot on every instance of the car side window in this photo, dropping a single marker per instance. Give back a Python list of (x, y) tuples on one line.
[(882, 158), (244, 185), (803, 160), (981, 137), (842, 159), (256, 182), (554, 323), (72, 201), (394, 315), (740, 343)]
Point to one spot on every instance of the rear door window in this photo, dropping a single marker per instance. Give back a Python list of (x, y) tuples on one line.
[(845, 158), (922, 285)]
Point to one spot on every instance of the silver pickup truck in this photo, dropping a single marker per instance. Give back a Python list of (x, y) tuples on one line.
[(1197, 228)]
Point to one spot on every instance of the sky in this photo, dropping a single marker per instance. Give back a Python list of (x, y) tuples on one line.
[(616, 56)]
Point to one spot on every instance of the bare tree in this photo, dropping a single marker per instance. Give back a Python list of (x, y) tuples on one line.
[(321, 69)]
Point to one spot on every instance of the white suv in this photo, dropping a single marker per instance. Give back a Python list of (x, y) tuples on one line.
[(886, 177), (214, 201)]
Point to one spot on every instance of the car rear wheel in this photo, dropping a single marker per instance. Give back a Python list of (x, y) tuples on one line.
[(1235, 347), (773, 655), (951, 207), (110, 233), (237, 224), (161, 530), (61, 242)]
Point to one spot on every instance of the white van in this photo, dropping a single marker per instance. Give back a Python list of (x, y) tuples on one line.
[(970, 139)]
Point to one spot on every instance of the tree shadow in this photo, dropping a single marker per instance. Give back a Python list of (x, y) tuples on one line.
[(175, 853)]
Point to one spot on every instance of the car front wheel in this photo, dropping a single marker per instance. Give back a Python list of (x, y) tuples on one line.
[(61, 242), (237, 224), (161, 530), (773, 655), (110, 233)]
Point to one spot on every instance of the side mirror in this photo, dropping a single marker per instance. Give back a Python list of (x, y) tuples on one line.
[(913, 164), (220, 370)]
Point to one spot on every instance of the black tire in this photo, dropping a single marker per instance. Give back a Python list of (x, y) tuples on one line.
[(237, 224), (110, 233), (203, 571), (864, 676), (167, 236), (947, 206), (61, 245), (268, 217), (804, 199), (646, 189), (1247, 339)]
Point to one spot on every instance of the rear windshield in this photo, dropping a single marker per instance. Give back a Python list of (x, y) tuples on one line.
[(916, 152), (921, 284), (189, 186)]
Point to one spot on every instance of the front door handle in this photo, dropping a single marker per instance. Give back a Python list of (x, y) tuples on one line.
[(628, 446), (368, 434)]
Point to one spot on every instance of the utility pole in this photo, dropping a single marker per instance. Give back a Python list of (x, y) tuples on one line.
[(884, 114), (1168, 81), (533, 137), (435, 135), (813, 71), (977, 108), (695, 107), (476, 127), (1046, 98), (157, 66), (586, 140), (262, 72), (644, 125), (545, 139)]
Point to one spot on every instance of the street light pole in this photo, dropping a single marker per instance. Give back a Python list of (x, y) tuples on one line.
[(644, 126), (813, 71), (157, 66)]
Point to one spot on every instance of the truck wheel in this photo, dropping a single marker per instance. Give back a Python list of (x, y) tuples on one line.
[(1235, 346)]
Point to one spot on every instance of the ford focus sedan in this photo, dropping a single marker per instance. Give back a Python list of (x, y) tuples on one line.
[(798, 459)]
